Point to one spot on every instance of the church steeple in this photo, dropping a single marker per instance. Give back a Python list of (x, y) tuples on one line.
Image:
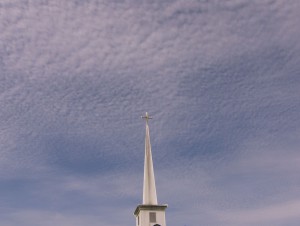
[(149, 213), (149, 191)]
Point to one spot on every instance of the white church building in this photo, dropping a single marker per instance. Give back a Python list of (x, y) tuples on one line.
[(150, 213)]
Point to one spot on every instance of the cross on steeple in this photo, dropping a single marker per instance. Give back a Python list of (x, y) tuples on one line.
[(146, 117)]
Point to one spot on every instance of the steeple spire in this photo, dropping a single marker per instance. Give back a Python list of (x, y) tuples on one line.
[(149, 191), (149, 213)]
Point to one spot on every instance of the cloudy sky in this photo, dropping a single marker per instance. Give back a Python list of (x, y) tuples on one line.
[(220, 78)]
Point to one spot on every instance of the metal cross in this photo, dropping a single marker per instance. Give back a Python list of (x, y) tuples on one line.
[(146, 117)]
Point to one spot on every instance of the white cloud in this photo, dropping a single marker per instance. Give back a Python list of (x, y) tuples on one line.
[(38, 217), (281, 212)]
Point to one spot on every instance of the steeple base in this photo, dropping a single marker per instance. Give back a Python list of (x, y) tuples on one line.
[(150, 215)]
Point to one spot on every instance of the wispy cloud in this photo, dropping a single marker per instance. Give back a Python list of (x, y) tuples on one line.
[(276, 214)]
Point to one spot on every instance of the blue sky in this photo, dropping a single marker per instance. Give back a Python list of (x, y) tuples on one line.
[(220, 78)]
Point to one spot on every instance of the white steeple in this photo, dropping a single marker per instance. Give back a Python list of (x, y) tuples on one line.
[(149, 191), (149, 213)]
